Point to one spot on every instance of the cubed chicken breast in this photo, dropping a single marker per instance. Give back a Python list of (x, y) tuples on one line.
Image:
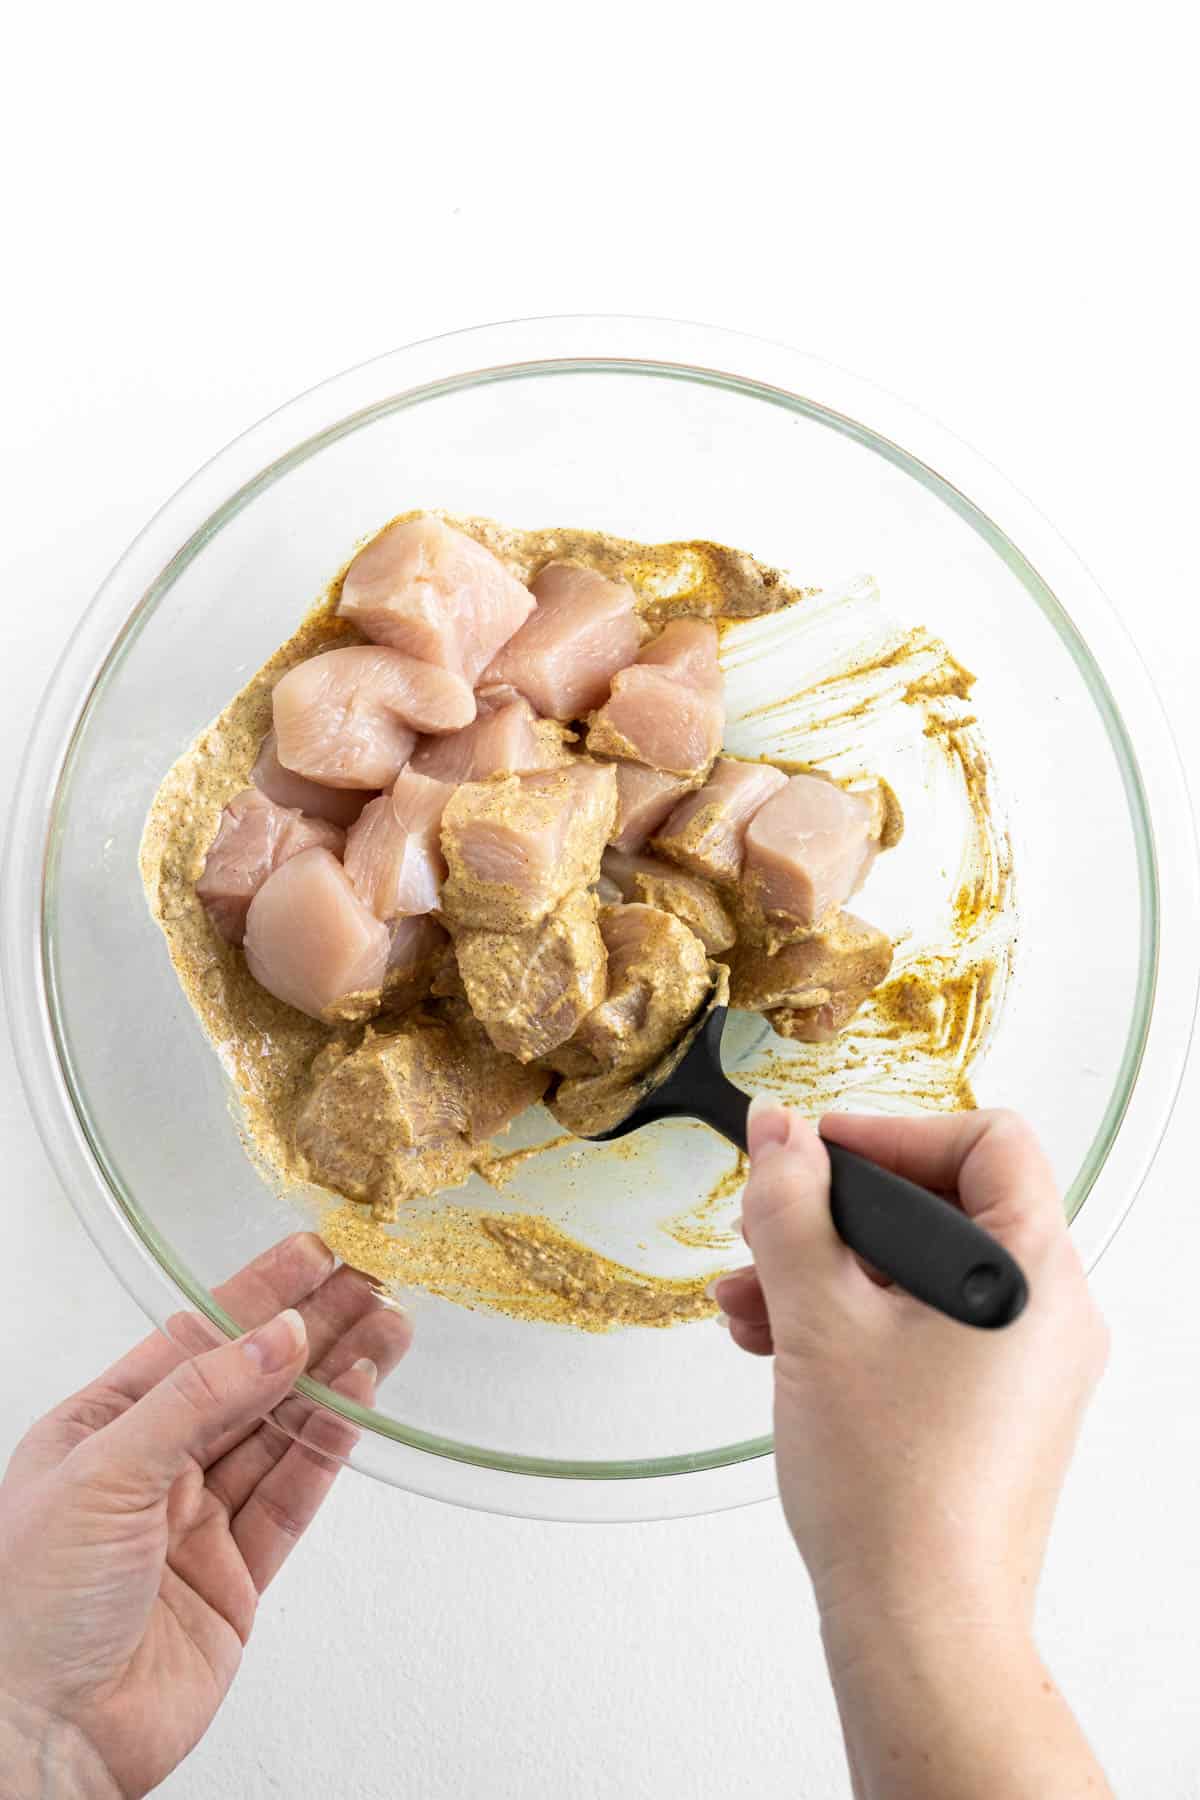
[(518, 845), (564, 657), (512, 740), (810, 989), (672, 890), (349, 718), (706, 832), (499, 1088), (666, 710), (341, 806), (659, 981), (433, 592), (658, 978), (385, 1123), (312, 942), (531, 989), (807, 850), (645, 800), (254, 838), (394, 853), (686, 650), (415, 951)]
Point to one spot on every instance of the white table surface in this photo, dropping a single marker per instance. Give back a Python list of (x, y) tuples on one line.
[(208, 210)]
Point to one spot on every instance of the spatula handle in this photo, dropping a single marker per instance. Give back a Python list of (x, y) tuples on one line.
[(915, 1238)]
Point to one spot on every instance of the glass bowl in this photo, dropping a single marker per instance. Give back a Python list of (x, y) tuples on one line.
[(654, 431)]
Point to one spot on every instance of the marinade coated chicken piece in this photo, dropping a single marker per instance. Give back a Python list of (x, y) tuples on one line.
[(433, 592), (312, 942), (530, 990), (349, 718), (518, 845), (661, 884), (810, 989), (563, 659), (394, 852), (705, 834), (254, 838), (666, 710)]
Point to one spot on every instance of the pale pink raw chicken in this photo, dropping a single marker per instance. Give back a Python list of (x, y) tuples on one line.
[(349, 718), (415, 953), (312, 943), (565, 655), (666, 710), (807, 850), (652, 882), (394, 853), (341, 806), (645, 800), (518, 845), (433, 592), (254, 838), (510, 741), (706, 832), (686, 650)]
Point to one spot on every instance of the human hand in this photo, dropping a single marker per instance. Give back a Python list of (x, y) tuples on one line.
[(913, 1449), (141, 1520), (919, 1460)]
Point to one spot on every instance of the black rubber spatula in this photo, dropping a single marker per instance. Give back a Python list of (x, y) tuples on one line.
[(924, 1244)]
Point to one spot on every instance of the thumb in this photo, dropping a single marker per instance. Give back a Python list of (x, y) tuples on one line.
[(182, 1421), (785, 1209)]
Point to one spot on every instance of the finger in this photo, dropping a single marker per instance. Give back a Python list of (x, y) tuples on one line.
[(285, 1502), (992, 1161), (755, 1339), (174, 1427), (739, 1296), (383, 1336), (785, 1211), (282, 1276), (329, 1314)]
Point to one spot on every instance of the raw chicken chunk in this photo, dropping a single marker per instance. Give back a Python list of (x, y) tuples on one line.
[(394, 853), (807, 850), (433, 592), (349, 718), (415, 955), (511, 740), (810, 989), (666, 710), (658, 978), (312, 943), (645, 800), (693, 902), (686, 650), (564, 657), (384, 1123), (517, 846), (341, 806), (499, 1088), (706, 832), (531, 989), (254, 838)]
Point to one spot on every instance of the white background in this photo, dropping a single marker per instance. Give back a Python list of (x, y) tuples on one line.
[(991, 212)]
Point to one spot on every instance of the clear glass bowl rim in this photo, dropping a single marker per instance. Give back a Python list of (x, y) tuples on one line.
[(1138, 1110)]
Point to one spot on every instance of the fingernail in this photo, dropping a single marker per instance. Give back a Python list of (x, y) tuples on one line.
[(274, 1345), (317, 1252), (710, 1292), (722, 1321), (364, 1366), (767, 1123)]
